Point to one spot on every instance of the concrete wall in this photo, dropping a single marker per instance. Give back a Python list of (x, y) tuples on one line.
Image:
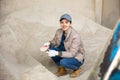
[(98, 10), (83, 7), (111, 12), (24, 27), (26, 24), (24, 31), (101, 11)]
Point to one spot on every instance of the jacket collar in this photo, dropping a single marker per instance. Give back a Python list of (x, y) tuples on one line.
[(68, 32)]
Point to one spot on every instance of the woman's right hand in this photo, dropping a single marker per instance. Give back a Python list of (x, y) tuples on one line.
[(45, 47), (47, 44)]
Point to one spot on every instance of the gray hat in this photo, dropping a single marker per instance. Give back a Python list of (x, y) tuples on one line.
[(66, 16)]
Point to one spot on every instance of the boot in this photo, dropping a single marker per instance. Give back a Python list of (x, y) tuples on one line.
[(61, 71), (75, 73)]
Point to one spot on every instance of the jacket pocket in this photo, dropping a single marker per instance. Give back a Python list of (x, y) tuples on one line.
[(58, 41)]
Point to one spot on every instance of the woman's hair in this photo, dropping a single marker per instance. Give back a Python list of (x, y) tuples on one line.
[(66, 19)]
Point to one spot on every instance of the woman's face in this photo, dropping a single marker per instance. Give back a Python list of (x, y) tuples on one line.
[(65, 24)]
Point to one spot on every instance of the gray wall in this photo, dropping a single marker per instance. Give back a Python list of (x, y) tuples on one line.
[(110, 13), (83, 7)]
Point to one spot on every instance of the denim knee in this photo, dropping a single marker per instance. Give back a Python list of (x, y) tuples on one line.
[(63, 63), (70, 63)]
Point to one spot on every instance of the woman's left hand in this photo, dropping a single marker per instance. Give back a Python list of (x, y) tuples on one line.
[(52, 53)]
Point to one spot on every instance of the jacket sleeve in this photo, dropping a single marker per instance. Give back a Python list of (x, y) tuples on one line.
[(75, 46)]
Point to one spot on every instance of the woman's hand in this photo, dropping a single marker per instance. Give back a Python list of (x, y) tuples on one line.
[(45, 47), (52, 53)]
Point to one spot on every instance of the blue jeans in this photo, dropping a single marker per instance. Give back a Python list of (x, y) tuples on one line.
[(70, 63)]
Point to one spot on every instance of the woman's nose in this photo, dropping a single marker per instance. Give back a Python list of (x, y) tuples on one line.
[(63, 23)]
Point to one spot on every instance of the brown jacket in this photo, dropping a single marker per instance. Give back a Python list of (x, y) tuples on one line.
[(73, 44)]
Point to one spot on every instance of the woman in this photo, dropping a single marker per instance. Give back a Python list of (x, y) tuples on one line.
[(66, 48)]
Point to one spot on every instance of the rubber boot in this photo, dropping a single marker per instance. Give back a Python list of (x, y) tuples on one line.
[(61, 71), (75, 73)]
